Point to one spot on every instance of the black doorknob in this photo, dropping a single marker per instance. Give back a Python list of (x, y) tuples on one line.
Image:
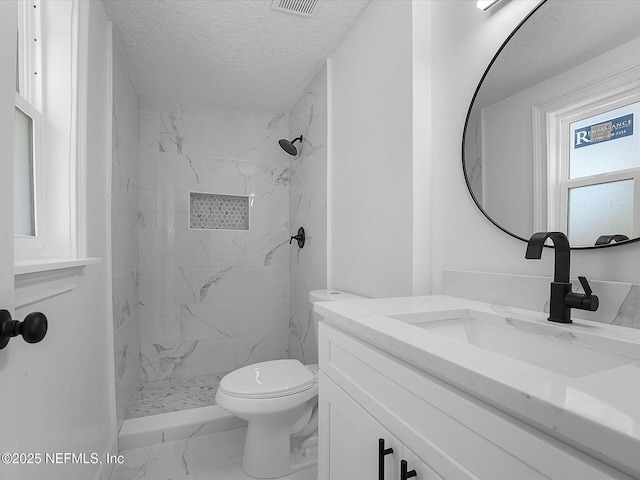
[(33, 329)]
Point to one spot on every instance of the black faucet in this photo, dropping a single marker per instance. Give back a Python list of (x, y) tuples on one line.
[(562, 298), (607, 239)]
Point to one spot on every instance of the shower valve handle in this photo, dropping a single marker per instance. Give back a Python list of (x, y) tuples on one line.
[(300, 237)]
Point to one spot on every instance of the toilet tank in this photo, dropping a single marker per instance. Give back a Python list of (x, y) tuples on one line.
[(327, 296), (330, 296)]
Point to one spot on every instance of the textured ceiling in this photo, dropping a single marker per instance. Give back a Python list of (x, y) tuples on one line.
[(228, 53), (559, 36)]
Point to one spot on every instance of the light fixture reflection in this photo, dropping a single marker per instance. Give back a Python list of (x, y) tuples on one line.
[(486, 4)]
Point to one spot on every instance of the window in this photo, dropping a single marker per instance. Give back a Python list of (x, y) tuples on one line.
[(28, 119), (50, 136), (601, 175), (593, 175), (24, 191)]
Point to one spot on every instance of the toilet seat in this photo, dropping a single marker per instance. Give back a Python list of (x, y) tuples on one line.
[(272, 379)]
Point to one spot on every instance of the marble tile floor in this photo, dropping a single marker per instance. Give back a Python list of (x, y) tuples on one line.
[(173, 395), (217, 456)]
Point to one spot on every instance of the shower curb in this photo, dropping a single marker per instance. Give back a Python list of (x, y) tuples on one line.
[(166, 427)]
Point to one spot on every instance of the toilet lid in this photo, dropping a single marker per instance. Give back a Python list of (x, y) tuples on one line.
[(275, 378)]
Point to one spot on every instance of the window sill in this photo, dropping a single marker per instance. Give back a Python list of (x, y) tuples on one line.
[(23, 267)]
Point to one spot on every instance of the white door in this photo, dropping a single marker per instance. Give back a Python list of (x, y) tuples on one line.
[(10, 388), (16, 422)]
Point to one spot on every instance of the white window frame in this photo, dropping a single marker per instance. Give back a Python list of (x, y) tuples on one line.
[(58, 103), (29, 101), (30, 52)]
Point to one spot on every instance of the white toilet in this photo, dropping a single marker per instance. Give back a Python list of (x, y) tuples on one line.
[(279, 400)]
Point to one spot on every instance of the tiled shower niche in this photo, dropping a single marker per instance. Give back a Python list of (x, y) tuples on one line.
[(213, 211)]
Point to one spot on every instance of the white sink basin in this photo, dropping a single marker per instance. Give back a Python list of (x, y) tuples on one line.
[(544, 346)]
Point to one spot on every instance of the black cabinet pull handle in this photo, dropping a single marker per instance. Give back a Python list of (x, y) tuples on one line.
[(381, 454), (33, 329), (404, 475)]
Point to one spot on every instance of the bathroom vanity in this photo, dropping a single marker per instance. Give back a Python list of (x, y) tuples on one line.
[(465, 389)]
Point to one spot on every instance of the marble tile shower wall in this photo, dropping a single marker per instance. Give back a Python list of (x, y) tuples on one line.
[(473, 156), (211, 300), (124, 237), (308, 208)]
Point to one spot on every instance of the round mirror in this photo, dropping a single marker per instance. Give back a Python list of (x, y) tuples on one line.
[(550, 141)]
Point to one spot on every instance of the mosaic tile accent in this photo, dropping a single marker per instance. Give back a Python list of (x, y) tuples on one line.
[(211, 211), (173, 395)]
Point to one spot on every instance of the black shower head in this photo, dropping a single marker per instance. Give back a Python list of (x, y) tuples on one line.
[(288, 146)]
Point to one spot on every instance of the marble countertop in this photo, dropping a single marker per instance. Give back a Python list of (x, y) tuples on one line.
[(598, 413)]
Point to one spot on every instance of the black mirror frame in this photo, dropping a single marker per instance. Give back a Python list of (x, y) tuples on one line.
[(464, 136)]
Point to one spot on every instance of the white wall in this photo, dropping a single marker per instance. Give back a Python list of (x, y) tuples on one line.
[(464, 41), (371, 155), (507, 166), (422, 139)]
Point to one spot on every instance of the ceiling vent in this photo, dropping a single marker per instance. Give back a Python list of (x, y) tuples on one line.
[(306, 8)]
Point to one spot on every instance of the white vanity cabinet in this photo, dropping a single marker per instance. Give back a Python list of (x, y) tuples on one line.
[(352, 451), (358, 446), (441, 432)]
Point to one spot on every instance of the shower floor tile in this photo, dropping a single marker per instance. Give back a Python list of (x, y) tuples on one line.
[(173, 395)]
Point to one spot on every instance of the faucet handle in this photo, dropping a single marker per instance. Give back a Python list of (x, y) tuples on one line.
[(586, 301), (585, 286)]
